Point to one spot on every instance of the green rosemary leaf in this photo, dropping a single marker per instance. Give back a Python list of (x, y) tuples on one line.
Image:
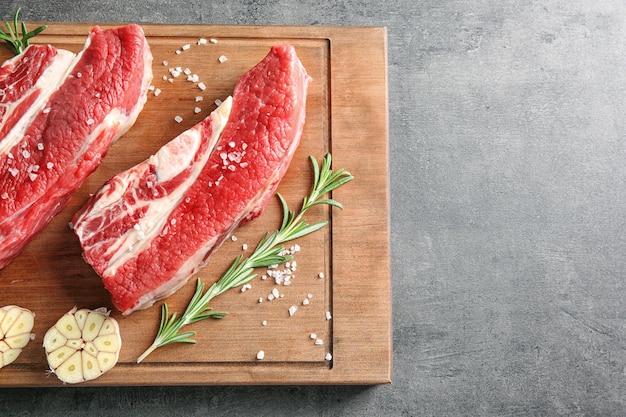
[(269, 251), (12, 36)]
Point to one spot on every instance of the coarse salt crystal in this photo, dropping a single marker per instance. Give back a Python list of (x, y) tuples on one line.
[(213, 40), (292, 310), (25, 154), (202, 41), (170, 80), (233, 238), (319, 342), (260, 299), (260, 355), (178, 119), (40, 146), (222, 59), (328, 356), (264, 323), (165, 78), (151, 88), (90, 122), (32, 176), (244, 246), (197, 110), (79, 75), (321, 275), (14, 172), (49, 165), (157, 92), (218, 102), (309, 296), (305, 302), (313, 336), (275, 293), (178, 52), (186, 46), (270, 297), (328, 315), (165, 63), (199, 98), (201, 86), (4, 196), (187, 71)]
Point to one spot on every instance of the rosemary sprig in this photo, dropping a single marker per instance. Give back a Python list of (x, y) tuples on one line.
[(269, 251), (12, 36)]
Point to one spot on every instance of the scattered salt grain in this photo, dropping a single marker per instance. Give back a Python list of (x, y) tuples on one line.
[(32, 176), (165, 63), (305, 302), (328, 356), (40, 146), (233, 238), (186, 46), (197, 110), (275, 293), (178, 52), (193, 78), (309, 296), (260, 299), (201, 86), (292, 310), (25, 154), (187, 71), (49, 165), (165, 78), (79, 75), (202, 41), (178, 119), (321, 275), (244, 246), (90, 122), (170, 80), (4, 196), (328, 315), (157, 92), (313, 336), (151, 88), (213, 40), (270, 297), (199, 99), (260, 355), (222, 59), (264, 323), (319, 342), (14, 172)]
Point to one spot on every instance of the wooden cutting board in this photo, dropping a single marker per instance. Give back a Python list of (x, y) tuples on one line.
[(347, 115)]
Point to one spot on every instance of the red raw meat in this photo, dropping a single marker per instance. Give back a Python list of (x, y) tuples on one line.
[(150, 228), (59, 113)]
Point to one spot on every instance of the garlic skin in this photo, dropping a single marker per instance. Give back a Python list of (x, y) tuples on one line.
[(82, 345), (16, 324)]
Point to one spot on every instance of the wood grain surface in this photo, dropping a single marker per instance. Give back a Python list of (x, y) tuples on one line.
[(347, 116)]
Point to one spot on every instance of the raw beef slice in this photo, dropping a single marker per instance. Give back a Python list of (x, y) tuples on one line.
[(59, 113), (150, 228)]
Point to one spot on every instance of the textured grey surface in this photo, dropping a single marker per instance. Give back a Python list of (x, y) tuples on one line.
[(508, 222)]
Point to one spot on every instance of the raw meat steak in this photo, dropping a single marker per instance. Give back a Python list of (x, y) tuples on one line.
[(59, 113), (149, 229)]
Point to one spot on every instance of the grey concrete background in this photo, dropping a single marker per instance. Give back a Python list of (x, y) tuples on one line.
[(508, 212)]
